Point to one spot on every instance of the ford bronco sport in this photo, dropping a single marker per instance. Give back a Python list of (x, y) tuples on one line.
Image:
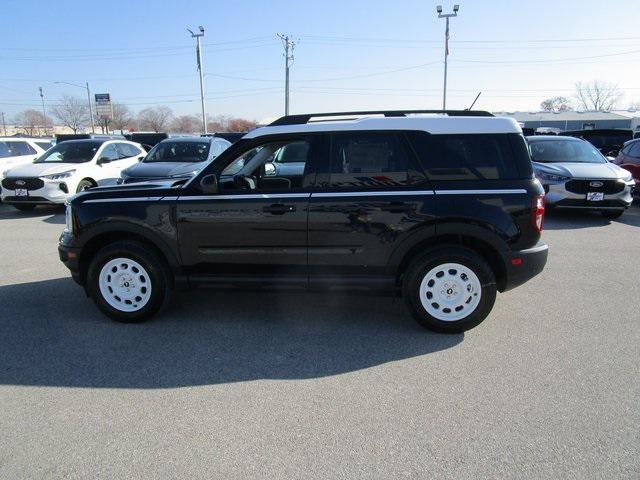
[(440, 207)]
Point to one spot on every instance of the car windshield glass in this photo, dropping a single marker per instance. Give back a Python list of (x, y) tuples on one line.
[(549, 151), (178, 152), (70, 152)]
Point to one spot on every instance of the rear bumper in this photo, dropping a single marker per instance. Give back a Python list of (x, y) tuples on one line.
[(522, 265)]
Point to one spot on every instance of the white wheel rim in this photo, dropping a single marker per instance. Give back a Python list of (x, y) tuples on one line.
[(125, 284), (450, 292)]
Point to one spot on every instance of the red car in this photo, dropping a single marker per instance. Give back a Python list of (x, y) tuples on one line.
[(629, 159)]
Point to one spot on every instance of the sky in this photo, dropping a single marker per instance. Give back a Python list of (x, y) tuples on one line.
[(350, 54)]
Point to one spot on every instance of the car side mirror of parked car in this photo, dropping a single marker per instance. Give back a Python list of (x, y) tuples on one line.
[(209, 184), (103, 160), (140, 158)]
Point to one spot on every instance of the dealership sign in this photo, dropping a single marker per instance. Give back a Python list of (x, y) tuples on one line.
[(104, 108)]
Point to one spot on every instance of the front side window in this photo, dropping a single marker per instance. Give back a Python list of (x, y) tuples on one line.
[(126, 150), (70, 152), (168, 151), (576, 151), (262, 168), (371, 160), (110, 153)]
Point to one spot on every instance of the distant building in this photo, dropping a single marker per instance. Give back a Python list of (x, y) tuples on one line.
[(575, 120)]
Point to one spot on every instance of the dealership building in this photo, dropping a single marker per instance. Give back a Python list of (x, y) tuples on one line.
[(576, 120)]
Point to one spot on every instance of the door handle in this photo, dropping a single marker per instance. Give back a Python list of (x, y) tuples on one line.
[(279, 209)]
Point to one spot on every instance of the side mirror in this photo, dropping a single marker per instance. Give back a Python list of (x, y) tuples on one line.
[(103, 160), (141, 158), (209, 184), (269, 169)]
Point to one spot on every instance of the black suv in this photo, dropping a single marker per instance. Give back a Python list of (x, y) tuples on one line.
[(439, 207)]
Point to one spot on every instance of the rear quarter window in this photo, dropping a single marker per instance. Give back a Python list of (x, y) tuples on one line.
[(472, 156)]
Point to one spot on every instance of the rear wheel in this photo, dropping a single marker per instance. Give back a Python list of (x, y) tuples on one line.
[(128, 282), (612, 214), (449, 290), (24, 207)]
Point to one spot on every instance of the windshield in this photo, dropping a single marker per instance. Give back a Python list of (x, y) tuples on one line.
[(178, 152), (70, 152), (550, 151)]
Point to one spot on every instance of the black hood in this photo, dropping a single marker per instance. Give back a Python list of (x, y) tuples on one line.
[(162, 169)]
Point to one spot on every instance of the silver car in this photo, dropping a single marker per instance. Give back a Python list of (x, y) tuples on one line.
[(576, 175)]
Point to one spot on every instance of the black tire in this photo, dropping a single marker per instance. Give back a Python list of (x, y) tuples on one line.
[(423, 264), (84, 184), (25, 207), (612, 214), (156, 267)]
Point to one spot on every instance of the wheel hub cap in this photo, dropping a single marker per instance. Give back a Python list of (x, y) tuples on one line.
[(125, 284)]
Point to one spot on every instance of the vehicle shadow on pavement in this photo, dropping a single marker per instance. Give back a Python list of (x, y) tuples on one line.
[(568, 220), (51, 335), (54, 214)]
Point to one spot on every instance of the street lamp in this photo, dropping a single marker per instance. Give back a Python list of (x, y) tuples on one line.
[(86, 86), (197, 36), (446, 16)]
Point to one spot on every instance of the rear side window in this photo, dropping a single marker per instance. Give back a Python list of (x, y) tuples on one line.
[(472, 156), (370, 160), (16, 149)]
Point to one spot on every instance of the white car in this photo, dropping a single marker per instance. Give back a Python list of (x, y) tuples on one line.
[(16, 151), (69, 167)]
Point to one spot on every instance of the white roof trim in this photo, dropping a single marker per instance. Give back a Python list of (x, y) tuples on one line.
[(435, 124)]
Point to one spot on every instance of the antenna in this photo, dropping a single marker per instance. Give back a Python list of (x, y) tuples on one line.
[(474, 101)]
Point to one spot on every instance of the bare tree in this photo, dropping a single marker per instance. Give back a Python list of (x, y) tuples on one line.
[(122, 117), (72, 112), (32, 122), (556, 104), (186, 124), (241, 125), (597, 96), (155, 118)]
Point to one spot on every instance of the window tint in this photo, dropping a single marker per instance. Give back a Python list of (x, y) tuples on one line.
[(127, 150), (634, 151), (261, 168), (467, 157), (110, 152), (15, 149), (371, 160), (44, 145)]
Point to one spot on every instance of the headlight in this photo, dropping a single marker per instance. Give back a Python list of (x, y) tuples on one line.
[(68, 219), (59, 176), (550, 177), (628, 178)]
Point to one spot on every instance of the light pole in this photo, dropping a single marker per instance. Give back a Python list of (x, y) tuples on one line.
[(93, 127), (44, 112), (446, 16), (197, 36)]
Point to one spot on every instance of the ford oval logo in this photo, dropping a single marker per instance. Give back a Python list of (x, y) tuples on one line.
[(20, 183), (596, 184)]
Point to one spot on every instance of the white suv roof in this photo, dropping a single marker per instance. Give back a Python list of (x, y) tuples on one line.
[(435, 123)]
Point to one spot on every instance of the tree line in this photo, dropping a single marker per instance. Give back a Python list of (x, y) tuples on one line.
[(595, 96), (73, 113)]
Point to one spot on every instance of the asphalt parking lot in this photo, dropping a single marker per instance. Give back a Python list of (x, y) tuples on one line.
[(273, 385)]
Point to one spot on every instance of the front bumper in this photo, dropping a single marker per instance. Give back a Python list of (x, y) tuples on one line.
[(70, 256), (522, 265), (52, 192), (557, 196)]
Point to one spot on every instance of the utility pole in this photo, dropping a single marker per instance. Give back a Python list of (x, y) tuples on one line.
[(197, 36), (44, 113), (446, 16), (4, 125), (288, 45)]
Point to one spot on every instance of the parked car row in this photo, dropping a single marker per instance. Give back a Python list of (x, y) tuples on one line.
[(74, 165)]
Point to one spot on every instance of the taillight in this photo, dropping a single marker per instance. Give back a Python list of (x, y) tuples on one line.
[(537, 212)]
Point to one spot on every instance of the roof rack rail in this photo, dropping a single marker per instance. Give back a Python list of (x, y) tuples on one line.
[(305, 118)]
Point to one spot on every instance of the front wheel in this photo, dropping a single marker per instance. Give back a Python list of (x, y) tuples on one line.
[(449, 290), (612, 214), (128, 282)]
